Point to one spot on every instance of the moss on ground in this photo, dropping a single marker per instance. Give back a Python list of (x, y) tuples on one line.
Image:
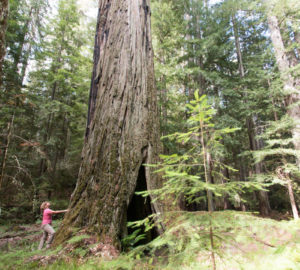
[(241, 241)]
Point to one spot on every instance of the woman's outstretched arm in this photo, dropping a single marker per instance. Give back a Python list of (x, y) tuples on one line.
[(60, 211)]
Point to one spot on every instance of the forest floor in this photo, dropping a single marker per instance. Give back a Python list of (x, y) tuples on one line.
[(241, 241)]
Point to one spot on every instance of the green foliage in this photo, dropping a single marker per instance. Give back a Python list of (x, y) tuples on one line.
[(131, 240), (279, 149), (77, 238), (200, 51), (240, 242), (189, 174), (280, 157), (48, 101)]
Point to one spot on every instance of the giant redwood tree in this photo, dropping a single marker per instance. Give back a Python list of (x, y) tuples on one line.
[(122, 131)]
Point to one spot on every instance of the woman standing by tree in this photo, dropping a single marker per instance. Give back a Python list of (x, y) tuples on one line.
[(46, 224)]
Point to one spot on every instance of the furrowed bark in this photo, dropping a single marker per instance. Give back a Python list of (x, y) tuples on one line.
[(123, 129)]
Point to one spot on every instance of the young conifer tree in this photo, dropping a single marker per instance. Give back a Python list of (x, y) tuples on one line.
[(195, 174), (198, 168)]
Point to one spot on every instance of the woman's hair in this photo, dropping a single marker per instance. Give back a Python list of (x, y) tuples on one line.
[(43, 205)]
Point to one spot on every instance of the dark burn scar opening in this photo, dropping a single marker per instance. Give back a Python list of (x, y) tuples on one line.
[(140, 207)]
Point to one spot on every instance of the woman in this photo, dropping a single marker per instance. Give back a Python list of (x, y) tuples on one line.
[(46, 224)]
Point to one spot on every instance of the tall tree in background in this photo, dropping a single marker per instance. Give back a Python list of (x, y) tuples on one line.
[(3, 24), (284, 32), (123, 125), (59, 85), (23, 34), (224, 52), (44, 116), (290, 81), (254, 144)]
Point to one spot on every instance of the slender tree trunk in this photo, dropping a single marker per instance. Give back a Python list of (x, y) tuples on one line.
[(282, 174), (297, 40), (292, 199), (211, 206), (226, 176), (55, 87), (264, 205), (21, 52), (25, 53), (123, 128), (25, 65), (262, 195), (207, 169), (3, 26), (273, 103), (199, 60), (8, 139), (238, 47), (243, 176)]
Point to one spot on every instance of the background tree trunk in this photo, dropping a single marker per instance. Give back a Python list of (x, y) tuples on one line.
[(264, 205), (123, 123), (291, 90), (290, 84), (3, 25), (4, 157)]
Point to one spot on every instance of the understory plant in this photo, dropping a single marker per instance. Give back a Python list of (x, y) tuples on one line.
[(281, 158), (198, 169), (195, 176)]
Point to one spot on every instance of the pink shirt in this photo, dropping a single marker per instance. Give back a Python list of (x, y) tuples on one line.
[(47, 216)]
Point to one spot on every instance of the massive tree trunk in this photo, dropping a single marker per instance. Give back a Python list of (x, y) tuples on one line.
[(3, 24), (122, 127)]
